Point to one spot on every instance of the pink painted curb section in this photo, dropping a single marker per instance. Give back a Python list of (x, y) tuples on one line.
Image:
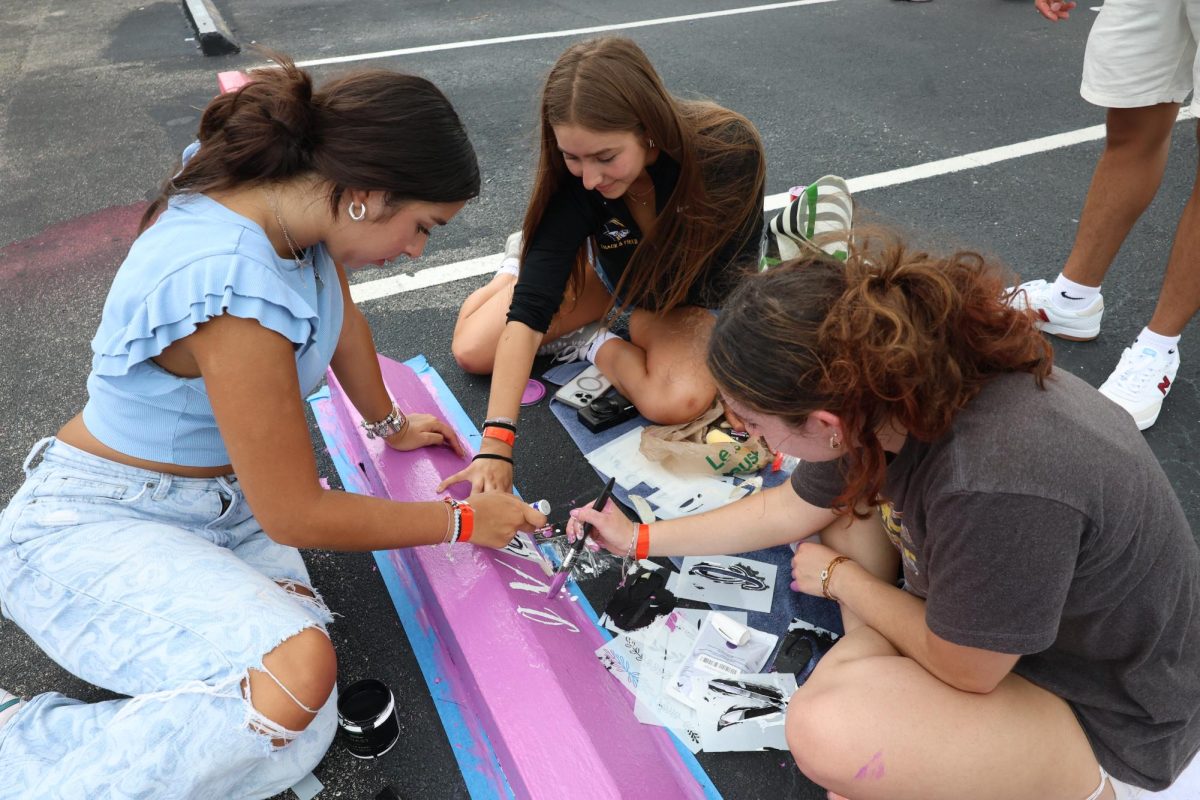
[(559, 724), (232, 80)]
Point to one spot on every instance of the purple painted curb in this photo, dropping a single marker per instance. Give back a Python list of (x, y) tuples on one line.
[(559, 724)]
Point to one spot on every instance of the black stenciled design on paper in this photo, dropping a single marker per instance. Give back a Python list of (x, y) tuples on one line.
[(761, 702), (744, 575), (738, 714)]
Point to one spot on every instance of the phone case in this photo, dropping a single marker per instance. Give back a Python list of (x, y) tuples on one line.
[(584, 388)]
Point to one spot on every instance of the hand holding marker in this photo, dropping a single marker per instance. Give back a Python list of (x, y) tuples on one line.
[(564, 569)]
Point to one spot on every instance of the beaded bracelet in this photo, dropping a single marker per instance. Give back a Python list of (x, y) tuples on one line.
[(393, 423), (463, 518)]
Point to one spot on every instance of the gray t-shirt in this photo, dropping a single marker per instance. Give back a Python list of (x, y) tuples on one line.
[(1042, 525)]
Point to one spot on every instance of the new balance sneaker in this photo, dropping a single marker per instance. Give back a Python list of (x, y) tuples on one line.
[(1141, 381), (571, 346), (1078, 326), (9, 703)]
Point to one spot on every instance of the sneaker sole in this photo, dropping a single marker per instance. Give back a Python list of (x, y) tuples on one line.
[(1070, 334), (1147, 418)]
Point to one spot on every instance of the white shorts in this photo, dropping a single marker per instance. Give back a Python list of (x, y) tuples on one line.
[(1142, 53)]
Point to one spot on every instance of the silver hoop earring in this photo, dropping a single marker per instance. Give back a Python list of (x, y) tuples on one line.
[(834, 442), (362, 211)]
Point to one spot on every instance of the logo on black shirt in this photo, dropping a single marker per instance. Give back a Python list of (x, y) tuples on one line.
[(615, 230)]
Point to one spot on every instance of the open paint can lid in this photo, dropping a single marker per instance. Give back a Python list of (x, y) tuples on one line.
[(535, 390)]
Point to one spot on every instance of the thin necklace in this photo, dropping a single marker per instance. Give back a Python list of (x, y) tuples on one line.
[(301, 260), (641, 199)]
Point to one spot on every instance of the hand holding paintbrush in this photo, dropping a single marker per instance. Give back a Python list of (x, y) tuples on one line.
[(564, 569)]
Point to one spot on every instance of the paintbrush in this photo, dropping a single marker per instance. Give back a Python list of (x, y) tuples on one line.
[(564, 569)]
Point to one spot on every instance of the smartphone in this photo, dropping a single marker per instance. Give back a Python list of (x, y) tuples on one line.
[(584, 388)]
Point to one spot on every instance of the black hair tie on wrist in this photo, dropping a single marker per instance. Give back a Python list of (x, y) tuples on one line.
[(496, 456), (495, 423)]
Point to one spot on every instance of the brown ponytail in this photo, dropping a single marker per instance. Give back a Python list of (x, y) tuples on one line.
[(369, 129), (892, 334)]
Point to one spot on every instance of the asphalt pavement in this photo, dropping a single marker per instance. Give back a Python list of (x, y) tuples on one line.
[(97, 99)]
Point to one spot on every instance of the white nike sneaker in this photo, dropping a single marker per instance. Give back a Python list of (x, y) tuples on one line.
[(1078, 326), (1141, 381), (571, 346)]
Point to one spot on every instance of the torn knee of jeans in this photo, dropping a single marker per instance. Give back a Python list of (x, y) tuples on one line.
[(258, 722), (307, 595)]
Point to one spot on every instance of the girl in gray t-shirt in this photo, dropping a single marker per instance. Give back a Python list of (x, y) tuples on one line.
[(1046, 643)]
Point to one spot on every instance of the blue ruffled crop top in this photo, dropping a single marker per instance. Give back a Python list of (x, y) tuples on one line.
[(198, 261)]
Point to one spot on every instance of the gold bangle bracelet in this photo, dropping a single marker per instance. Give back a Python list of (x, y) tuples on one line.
[(827, 573)]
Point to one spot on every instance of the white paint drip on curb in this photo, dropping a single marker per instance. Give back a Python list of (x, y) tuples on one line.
[(526, 37), (384, 287)]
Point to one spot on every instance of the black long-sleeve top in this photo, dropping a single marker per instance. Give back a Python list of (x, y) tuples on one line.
[(575, 213)]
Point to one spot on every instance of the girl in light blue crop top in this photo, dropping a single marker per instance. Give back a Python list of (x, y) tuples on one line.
[(153, 548)]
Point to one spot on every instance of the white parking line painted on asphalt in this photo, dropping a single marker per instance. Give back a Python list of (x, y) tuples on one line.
[(526, 37), (371, 290)]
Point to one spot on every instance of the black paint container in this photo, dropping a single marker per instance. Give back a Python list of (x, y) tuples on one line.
[(367, 717)]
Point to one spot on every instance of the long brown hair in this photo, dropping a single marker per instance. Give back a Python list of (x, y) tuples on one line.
[(892, 334), (608, 84), (369, 129)]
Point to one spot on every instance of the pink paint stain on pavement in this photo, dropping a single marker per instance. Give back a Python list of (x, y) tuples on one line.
[(873, 770), (93, 241)]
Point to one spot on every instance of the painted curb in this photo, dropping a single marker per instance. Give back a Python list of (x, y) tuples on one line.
[(212, 32), (518, 689)]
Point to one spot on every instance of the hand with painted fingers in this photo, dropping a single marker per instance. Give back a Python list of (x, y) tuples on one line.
[(424, 430), (1054, 10), (484, 474), (610, 529), (810, 560), (499, 516)]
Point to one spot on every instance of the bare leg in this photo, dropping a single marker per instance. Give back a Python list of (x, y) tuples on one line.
[(870, 724), (485, 313), (865, 541), (1180, 296), (1125, 181), (662, 370)]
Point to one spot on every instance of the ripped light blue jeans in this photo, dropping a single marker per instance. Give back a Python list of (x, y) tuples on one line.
[(165, 590)]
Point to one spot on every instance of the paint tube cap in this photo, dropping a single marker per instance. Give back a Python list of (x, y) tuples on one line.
[(734, 632), (542, 506)]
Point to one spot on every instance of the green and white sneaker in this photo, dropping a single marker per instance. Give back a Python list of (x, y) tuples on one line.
[(9, 705)]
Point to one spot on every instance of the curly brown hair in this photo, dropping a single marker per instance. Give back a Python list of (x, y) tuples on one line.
[(893, 334)]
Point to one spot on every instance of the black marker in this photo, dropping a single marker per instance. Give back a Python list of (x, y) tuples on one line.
[(564, 569)]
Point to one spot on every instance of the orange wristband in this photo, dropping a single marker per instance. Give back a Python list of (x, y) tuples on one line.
[(468, 521), (643, 541), (506, 436)]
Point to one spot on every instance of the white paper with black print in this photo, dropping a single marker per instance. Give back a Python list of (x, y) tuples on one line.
[(745, 712), (713, 655), (730, 581)]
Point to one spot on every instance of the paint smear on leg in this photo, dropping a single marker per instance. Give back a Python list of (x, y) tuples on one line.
[(872, 770)]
